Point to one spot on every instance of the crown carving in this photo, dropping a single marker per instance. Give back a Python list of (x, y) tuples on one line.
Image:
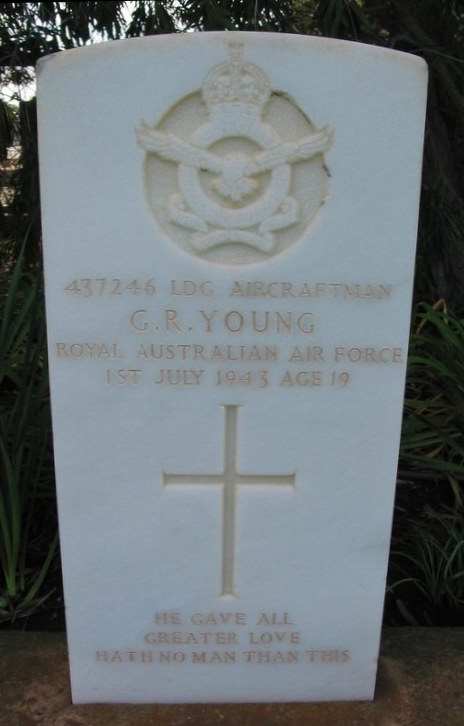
[(236, 82)]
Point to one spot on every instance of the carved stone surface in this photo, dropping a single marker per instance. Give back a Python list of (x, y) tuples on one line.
[(235, 172), (229, 235)]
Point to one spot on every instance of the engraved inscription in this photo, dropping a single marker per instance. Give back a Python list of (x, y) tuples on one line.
[(183, 634), (177, 331)]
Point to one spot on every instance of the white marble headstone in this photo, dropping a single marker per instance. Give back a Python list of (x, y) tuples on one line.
[(229, 234)]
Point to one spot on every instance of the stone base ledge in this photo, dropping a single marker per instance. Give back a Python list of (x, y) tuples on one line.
[(420, 682)]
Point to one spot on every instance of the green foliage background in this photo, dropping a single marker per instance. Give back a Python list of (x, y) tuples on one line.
[(427, 564)]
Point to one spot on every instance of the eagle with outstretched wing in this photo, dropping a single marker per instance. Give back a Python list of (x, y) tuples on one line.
[(172, 148), (233, 171), (291, 151)]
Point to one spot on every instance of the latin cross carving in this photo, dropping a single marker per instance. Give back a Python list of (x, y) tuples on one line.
[(230, 480)]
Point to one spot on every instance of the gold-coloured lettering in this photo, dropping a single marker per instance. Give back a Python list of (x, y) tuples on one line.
[(263, 327), (167, 656), (211, 619), (125, 656), (384, 291), (274, 619), (167, 618), (305, 291), (268, 638), (75, 350), (285, 323), (268, 656), (328, 656), (171, 321), (198, 352), (314, 354), (209, 319), (368, 355), (234, 324), (287, 289), (188, 288), (214, 658), (182, 638), (178, 377), (302, 379), (236, 290), (215, 353), (140, 326), (335, 288), (338, 291), (123, 376), (272, 289)]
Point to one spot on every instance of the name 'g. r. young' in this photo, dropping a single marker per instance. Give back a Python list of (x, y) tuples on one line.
[(232, 321)]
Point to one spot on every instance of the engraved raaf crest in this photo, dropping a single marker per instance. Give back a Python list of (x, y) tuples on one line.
[(236, 172)]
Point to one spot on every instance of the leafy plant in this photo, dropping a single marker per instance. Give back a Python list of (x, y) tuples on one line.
[(432, 442), (429, 561), (28, 538), (426, 576)]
